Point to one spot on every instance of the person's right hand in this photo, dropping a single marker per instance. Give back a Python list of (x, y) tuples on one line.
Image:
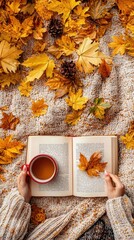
[(114, 186)]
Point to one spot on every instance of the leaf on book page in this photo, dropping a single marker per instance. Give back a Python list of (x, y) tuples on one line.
[(37, 215), (94, 166)]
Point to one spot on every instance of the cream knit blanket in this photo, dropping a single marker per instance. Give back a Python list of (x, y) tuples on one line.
[(118, 89)]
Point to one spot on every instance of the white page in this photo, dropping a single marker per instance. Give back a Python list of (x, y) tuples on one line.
[(60, 148), (83, 185)]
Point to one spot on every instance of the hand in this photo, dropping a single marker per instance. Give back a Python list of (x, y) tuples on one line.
[(114, 186), (23, 186)]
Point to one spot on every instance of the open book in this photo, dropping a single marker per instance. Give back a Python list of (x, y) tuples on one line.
[(70, 180)]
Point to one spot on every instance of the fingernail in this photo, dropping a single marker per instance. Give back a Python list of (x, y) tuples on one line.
[(106, 173), (24, 168)]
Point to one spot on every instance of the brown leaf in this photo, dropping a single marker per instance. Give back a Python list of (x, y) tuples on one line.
[(104, 69), (9, 121), (37, 215), (93, 167)]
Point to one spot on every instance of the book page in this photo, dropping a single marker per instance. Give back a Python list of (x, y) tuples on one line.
[(84, 185), (60, 148)]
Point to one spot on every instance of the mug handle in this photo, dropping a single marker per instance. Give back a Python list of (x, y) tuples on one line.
[(27, 165)]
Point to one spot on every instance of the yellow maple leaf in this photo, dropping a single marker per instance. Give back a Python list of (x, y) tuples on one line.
[(41, 9), (10, 78), (89, 56), (9, 149), (39, 30), (98, 9), (128, 140), (28, 8), (39, 107), (14, 7), (25, 89), (130, 46), (99, 108), (64, 46), (39, 64), (93, 167), (76, 101), (81, 14), (9, 121), (118, 44), (8, 57), (62, 7), (73, 118)]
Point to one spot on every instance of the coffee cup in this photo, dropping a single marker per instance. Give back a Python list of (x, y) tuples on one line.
[(42, 168)]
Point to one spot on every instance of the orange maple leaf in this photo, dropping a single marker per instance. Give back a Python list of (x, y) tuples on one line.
[(104, 69), (9, 121), (93, 167), (39, 108), (37, 215), (9, 149)]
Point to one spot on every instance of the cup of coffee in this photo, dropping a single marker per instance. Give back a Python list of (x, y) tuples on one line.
[(42, 168)]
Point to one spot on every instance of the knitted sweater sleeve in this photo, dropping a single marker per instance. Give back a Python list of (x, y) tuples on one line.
[(119, 211), (14, 216)]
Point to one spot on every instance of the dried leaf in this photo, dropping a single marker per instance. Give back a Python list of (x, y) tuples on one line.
[(4, 108), (2, 178), (40, 7), (93, 167), (99, 108), (39, 64), (39, 30), (128, 139), (118, 44), (89, 56), (9, 149), (62, 7), (28, 8), (14, 7), (39, 107), (98, 9), (8, 57), (76, 101), (64, 46), (125, 6), (73, 118), (9, 121), (8, 79), (37, 214), (104, 69), (25, 89)]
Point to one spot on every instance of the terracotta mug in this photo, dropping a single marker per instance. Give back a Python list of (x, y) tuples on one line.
[(42, 168)]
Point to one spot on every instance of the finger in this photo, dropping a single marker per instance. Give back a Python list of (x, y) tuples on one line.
[(115, 179), (22, 178), (109, 183)]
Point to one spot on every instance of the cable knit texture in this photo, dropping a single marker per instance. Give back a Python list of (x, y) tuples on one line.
[(119, 211)]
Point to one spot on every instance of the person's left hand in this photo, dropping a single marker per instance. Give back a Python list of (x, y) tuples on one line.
[(23, 185)]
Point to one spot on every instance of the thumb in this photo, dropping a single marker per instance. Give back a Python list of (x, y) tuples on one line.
[(109, 183)]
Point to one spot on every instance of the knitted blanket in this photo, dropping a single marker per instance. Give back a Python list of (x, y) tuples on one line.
[(118, 90)]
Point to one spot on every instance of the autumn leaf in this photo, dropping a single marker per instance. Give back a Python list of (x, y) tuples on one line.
[(7, 79), (98, 9), (9, 121), (9, 149), (62, 7), (39, 30), (125, 6), (39, 64), (99, 108), (89, 55), (118, 45), (76, 101), (37, 215), (28, 8), (39, 107), (4, 108), (104, 69), (2, 178), (93, 167), (130, 46), (128, 139), (25, 89), (64, 46), (8, 57), (40, 7), (73, 118), (14, 7)]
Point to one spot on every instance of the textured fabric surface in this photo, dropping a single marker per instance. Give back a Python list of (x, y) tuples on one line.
[(117, 89)]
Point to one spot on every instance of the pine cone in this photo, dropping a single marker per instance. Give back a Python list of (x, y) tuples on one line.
[(68, 69), (55, 28)]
